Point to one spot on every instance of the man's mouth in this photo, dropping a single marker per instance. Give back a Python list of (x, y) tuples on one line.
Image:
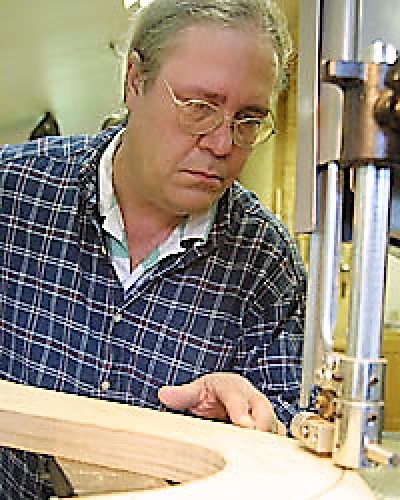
[(207, 177)]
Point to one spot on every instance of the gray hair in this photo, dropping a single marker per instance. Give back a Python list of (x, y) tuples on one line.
[(155, 26)]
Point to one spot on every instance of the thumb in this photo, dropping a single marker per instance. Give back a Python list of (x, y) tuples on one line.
[(180, 397)]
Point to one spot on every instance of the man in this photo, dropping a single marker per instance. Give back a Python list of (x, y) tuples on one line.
[(134, 267)]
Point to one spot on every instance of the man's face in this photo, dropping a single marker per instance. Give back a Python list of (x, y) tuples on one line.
[(170, 169)]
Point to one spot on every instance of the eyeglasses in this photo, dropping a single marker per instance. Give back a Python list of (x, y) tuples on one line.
[(198, 117)]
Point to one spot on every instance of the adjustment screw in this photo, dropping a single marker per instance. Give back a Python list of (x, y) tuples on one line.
[(373, 380)]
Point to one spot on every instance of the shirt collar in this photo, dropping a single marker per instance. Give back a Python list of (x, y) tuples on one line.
[(106, 195)]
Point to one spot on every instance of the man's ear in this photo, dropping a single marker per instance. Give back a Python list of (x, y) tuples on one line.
[(133, 80)]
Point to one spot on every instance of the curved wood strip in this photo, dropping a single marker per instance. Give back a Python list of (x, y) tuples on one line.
[(212, 460)]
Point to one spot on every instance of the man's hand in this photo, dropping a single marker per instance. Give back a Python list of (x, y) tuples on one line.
[(221, 396)]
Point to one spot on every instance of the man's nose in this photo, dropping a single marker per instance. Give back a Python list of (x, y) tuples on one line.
[(219, 140)]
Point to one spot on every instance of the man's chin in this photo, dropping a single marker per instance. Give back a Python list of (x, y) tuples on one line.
[(198, 208)]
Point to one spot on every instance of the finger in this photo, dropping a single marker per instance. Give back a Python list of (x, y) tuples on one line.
[(245, 421), (220, 401), (238, 412), (269, 422), (235, 402), (180, 397), (282, 431), (263, 413)]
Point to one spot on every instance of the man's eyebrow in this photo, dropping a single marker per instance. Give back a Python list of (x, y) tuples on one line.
[(213, 97)]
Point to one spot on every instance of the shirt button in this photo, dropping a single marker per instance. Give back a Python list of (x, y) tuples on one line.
[(117, 317), (105, 385)]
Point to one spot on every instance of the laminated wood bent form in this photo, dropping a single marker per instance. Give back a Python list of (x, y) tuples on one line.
[(209, 459)]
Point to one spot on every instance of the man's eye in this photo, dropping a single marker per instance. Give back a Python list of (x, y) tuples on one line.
[(202, 106), (199, 109)]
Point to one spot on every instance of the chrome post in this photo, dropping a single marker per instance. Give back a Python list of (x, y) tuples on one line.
[(359, 398), (370, 233)]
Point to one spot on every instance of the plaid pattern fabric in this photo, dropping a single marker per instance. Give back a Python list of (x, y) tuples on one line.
[(234, 303)]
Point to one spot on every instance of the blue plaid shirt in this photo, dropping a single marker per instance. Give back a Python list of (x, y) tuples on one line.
[(234, 303)]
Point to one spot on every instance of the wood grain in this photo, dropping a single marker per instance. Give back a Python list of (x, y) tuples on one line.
[(210, 459)]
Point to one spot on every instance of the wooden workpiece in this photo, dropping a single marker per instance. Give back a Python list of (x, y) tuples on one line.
[(210, 459)]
